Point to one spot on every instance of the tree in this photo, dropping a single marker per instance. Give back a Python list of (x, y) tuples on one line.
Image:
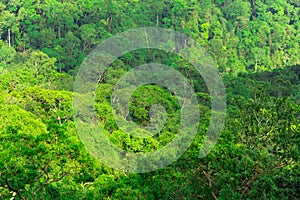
[(8, 26), (41, 65), (238, 8), (26, 155), (7, 54)]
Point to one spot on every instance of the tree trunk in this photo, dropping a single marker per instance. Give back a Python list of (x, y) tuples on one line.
[(9, 44), (24, 43), (58, 32), (255, 67)]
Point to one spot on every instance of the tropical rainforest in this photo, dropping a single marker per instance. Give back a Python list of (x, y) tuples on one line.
[(255, 45)]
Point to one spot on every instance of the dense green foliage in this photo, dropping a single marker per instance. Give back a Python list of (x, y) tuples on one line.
[(256, 46)]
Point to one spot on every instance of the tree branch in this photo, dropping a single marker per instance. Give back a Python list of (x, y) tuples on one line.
[(9, 186)]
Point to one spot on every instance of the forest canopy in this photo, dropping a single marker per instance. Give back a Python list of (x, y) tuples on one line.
[(255, 45)]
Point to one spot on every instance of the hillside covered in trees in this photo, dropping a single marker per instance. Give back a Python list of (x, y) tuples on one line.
[(255, 45)]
